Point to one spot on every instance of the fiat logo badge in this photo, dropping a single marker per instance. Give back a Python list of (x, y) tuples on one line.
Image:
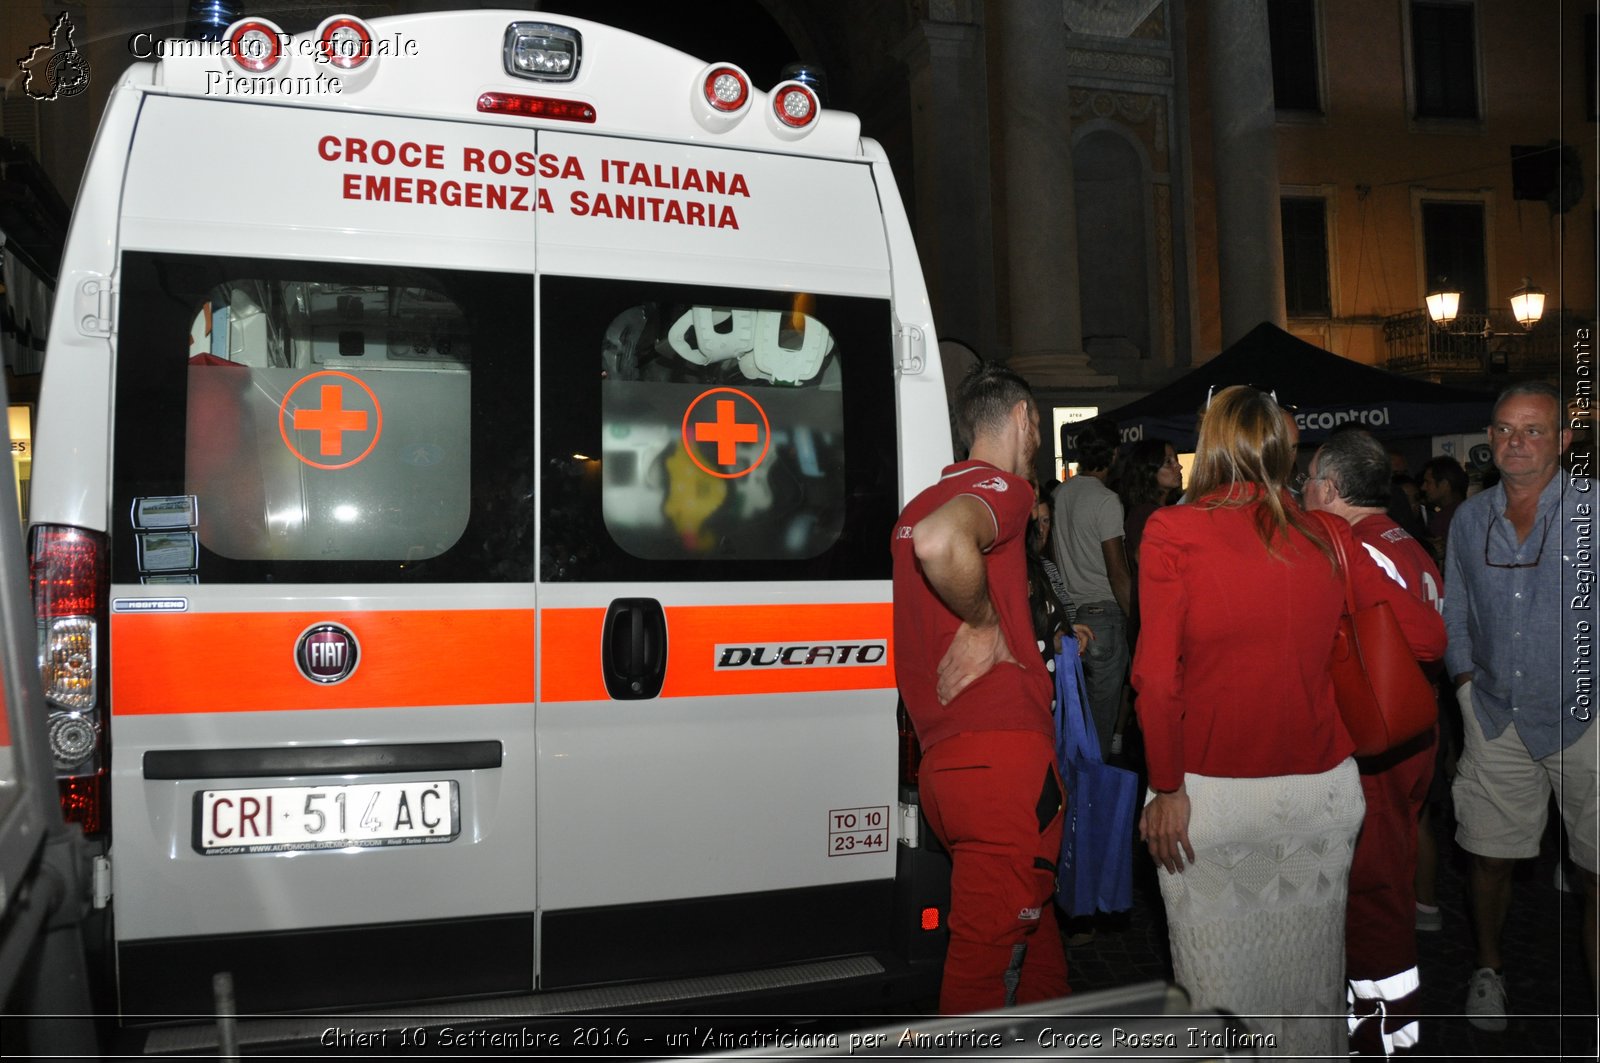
[(326, 653)]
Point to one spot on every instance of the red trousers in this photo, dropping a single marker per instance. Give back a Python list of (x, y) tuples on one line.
[(994, 800), (1381, 921)]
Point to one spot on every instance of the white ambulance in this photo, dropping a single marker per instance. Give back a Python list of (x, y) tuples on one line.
[(467, 453)]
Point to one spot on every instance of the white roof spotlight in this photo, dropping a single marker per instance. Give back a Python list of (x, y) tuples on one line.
[(543, 51), (793, 109), (719, 97)]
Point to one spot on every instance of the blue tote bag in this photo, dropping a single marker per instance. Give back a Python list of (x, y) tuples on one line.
[(1096, 870)]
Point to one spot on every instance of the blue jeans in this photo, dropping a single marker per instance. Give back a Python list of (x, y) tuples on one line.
[(1105, 665)]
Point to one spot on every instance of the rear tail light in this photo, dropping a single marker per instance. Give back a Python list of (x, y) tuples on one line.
[(535, 107), (910, 749), (68, 664), (719, 97), (67, 571), (84, 801), (255, 45), (794, 109)]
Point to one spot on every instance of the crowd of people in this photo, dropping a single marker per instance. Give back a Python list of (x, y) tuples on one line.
[(1294, 875)]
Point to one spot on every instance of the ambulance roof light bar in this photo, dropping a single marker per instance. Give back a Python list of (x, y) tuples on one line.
[(811, 75), (210, 19), (541, 51)]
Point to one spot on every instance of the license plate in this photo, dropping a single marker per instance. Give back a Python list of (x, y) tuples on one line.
[(281, 818)]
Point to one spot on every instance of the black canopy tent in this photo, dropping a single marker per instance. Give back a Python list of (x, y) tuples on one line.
[(1325, 389)]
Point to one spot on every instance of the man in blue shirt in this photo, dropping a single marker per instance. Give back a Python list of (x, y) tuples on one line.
[(1521, 619)]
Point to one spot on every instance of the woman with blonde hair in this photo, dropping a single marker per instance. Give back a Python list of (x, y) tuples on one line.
[(1254, 800)]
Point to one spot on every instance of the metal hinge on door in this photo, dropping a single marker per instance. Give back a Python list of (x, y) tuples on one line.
[(911, 349), (96, 304)]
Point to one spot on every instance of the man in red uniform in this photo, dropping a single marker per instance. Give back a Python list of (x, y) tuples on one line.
[(1350, 479), (979, 697)]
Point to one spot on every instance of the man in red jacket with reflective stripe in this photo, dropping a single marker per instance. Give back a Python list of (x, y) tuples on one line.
[(979, 697), (1350, 479)]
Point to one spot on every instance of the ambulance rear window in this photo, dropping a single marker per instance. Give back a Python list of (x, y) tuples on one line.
[(735, 428), (316, 421), (291, 384)]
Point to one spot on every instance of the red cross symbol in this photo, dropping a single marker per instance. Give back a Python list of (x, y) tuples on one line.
[(332, 420), (727, 431)]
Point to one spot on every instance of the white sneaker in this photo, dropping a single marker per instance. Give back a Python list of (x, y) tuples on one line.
[(1486, 1000)]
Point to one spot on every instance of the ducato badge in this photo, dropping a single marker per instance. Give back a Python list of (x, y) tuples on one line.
[(326, 653)]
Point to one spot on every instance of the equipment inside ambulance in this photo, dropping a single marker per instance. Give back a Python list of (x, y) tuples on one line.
[(460, 527)]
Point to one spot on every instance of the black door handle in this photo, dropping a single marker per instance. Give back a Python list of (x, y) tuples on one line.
[(634, 654)]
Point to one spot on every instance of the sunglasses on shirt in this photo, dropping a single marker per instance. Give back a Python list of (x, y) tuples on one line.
[(1488, 531)]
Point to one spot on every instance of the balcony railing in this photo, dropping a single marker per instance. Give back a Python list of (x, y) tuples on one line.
[(1473, 344)]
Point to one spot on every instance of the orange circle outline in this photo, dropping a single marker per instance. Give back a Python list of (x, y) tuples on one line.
[(377, 413), (688, 444)]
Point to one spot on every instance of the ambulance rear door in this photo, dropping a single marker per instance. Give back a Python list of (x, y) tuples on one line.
[(321, 519), (717, 739)]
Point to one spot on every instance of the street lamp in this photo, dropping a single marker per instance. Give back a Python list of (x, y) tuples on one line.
[(1443, 304), (1527, 306)]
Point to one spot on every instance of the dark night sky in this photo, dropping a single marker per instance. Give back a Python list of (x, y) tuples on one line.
[(736, 32)]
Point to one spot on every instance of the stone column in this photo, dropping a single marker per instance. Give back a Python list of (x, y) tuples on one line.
[(1245, 164), (1040, 215), (950, 197)]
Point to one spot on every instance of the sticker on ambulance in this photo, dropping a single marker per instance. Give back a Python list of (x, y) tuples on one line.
[(166, 511), (362, 815), (167, 551), (149, 605), (852, 831), (725, 418), (344, 422)]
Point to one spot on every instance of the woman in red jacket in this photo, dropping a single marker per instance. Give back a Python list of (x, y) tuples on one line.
[(1255, 801)]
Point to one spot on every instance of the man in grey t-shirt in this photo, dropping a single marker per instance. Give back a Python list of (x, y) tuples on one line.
[(1087, 539)]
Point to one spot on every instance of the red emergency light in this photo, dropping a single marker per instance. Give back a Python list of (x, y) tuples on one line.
[(254, 45), (536, 107), (719, 97), (727, 88), (794, 109), (795, 105), (345, 42)]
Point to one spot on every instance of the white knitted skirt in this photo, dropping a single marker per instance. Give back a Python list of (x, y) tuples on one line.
[(1257, 921)]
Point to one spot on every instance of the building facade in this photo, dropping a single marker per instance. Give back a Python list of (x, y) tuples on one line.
[(1108, 192)]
